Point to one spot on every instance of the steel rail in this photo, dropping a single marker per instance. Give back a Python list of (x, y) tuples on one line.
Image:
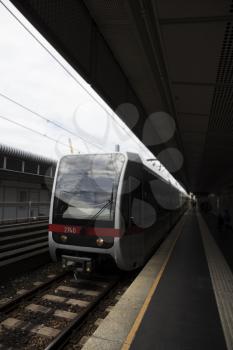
[(63, 338), (12, 304)]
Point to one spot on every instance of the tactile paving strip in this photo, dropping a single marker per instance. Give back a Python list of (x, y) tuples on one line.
[(222, 281)]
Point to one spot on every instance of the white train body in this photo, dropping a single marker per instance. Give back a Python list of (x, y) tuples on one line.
[(110, 205)]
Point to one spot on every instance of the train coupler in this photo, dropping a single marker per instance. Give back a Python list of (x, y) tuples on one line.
[(80, 265)]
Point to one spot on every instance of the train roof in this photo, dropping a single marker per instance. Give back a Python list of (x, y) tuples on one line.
[(131, 156), (134, 157)]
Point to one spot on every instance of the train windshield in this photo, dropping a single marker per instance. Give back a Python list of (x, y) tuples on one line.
[(86, 186)]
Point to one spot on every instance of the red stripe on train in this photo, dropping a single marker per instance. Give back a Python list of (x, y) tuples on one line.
[(89, 231)]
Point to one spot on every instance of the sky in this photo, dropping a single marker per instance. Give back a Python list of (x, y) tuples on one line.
[(54, 91)]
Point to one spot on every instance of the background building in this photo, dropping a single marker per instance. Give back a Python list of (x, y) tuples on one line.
[(25, 185)]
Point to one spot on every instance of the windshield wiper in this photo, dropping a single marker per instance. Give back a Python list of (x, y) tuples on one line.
[(110, 201), (102, 209)]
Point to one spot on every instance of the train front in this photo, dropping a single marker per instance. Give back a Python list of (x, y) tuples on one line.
[(84, 215)]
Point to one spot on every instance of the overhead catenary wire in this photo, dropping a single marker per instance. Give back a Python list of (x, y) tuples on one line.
[(68, 71), (49, 120), (33, 130)]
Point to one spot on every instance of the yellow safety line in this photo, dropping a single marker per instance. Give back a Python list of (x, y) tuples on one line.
[(137, 322)]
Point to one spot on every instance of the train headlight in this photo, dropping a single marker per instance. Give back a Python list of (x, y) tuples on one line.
[(88, 266), (63, 238), (99, 242)]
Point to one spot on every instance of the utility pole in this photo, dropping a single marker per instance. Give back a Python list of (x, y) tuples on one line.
[(71, 146)]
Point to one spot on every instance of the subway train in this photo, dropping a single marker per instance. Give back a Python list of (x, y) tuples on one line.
[(109, 206)]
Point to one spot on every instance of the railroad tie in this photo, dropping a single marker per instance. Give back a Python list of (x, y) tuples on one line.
[(76, 290), (92, 293), (54, 298), (70, 301), (46, 331), (90, 282), (38, 308), (65, 314), (44, 310), (14, 323), (22, 291), (37, 283), (4, 301), (77, 302), (67, 289), (11, 323)]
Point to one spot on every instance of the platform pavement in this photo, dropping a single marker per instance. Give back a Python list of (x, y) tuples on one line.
[(178, 288)]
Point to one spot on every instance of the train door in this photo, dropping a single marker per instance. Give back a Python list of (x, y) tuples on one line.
[(132, 244), (136, 230)]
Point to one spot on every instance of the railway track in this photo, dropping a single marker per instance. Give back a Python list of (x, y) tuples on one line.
[(46, 316)]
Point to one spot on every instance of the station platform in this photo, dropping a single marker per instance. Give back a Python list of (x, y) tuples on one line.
[(181, 300)]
